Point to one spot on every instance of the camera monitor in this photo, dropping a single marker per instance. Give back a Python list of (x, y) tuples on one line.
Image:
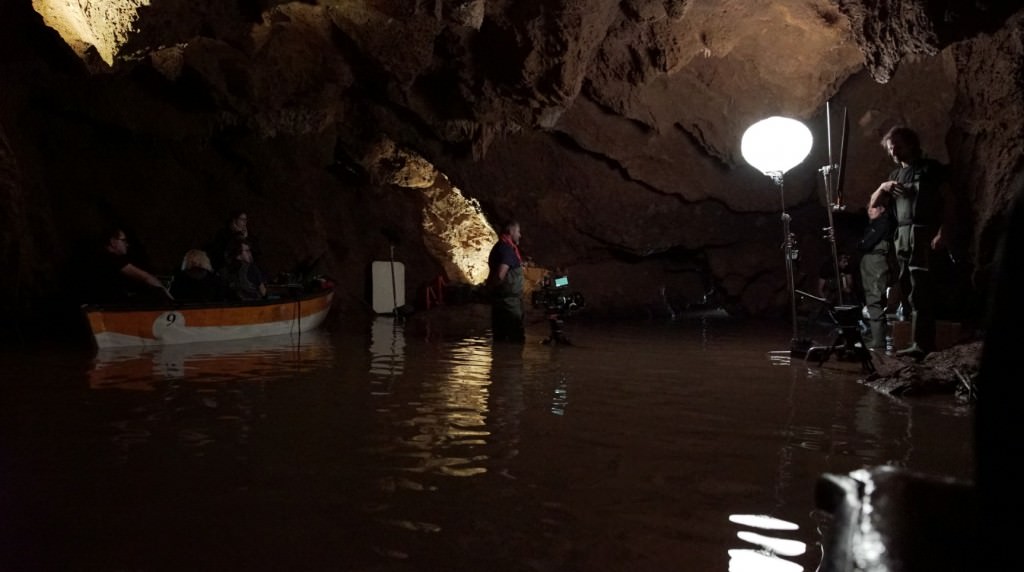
[(561, 281)]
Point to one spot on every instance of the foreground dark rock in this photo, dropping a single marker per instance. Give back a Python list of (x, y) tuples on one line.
[(890, 518), (951, 371), (887, 518)]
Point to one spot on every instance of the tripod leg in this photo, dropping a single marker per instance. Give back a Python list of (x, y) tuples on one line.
[(831, 349), (866, 363), (556, 337), (855, 343), (556, 331)]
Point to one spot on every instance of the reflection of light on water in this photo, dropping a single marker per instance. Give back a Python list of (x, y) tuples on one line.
[(774, 545), (560, 400), (257, 358), (440, 428), (450, 416), (870, 547), (387, 353), (465, 394), (413, 526), (754, 561), (469, 375), (765, 558), (202, 397), (782, 357), (762, 521), (539, 362)]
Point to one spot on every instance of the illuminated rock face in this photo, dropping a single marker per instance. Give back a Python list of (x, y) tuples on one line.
[(103, 26), (455, 231), (610, 129)]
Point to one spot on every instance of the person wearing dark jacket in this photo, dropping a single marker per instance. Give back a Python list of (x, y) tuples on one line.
[(875, 249), (236, 227), (196, 281), (114, 279), (243, 278)]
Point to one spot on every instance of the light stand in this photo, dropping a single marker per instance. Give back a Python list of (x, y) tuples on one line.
[(774, 146), (795, 344), (848, 339), (394, 287), (828, 173), (393, 237)]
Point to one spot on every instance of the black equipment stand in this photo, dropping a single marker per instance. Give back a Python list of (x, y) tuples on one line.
[(797, 346), (557, 337), (848, 341), (832, 175)]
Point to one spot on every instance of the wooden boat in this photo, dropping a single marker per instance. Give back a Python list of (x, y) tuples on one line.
[(115, 326)]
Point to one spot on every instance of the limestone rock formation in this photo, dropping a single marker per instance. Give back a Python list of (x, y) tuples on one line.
[(610, 129)]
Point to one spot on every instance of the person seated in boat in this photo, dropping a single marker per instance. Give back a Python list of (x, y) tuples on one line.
[(196, 281), (117, 280), (237, 226), (241, 275)]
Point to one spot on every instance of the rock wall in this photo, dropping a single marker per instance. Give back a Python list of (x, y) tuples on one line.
[(610, 129)]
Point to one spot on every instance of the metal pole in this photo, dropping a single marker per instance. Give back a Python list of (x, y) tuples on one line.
[(826, 173), (828, 130), (788, 251), (835, 252), (394, 289)]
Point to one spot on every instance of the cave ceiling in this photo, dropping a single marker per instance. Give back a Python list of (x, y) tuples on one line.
[(611, 128)]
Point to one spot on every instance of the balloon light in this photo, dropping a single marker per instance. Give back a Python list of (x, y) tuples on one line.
[(776, 145)]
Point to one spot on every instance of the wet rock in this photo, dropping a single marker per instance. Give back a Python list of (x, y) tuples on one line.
[(950, 371)]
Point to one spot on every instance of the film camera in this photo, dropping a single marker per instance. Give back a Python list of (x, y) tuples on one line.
[(558, 301), (554, 296)]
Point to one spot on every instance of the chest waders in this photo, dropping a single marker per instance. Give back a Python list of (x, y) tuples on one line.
[(874, 272), (917, 212), (507, 307)]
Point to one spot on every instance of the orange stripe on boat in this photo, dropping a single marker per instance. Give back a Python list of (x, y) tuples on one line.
[(140, 322)]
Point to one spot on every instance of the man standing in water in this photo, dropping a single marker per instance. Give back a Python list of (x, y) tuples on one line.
[(920, 191), (505, 285)]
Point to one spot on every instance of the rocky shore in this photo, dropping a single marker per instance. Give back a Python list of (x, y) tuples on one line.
[(952, 371)]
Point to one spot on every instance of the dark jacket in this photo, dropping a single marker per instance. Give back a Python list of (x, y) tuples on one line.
[(198, 285), (879, 229), (242, 280)]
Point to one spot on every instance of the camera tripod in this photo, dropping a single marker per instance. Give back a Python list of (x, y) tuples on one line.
[(556, 321), (848, 341)]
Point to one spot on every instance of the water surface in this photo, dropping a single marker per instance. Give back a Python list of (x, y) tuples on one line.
[(657, 446)]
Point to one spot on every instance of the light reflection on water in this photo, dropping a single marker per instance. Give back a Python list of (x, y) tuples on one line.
[(638, 448), (438, 420), (246, 360)]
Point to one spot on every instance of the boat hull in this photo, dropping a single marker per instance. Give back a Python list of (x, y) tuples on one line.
[(115, 327)]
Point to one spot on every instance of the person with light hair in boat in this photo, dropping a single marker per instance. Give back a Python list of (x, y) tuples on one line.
[(196, 280), (118, 280)]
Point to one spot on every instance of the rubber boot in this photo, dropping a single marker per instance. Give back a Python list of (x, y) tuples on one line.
[(877, 340), (923, 333), (915, 350)]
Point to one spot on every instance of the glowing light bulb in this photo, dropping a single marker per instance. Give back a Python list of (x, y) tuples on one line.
[(776, 144)]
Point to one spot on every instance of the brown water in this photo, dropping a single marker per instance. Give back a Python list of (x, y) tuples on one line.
[(643, 447)]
